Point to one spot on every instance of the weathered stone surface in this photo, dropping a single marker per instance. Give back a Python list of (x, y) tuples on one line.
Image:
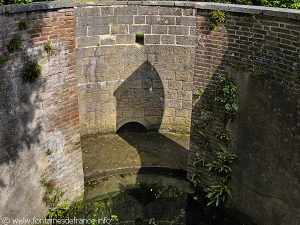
[(159, 29), (125, 39), (98, 30), (167, 39), (152, 39), (119, 29), (140, 28)]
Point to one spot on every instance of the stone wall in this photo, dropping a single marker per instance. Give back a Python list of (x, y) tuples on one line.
[(261, 52), (39, 125), (121, 81)]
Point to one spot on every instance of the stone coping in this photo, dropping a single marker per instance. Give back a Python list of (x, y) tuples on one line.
[(269, 11)]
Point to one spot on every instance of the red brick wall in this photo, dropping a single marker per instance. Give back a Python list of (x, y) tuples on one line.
[(262, 54), (41, 116)]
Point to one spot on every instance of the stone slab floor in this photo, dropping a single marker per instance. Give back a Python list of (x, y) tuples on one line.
[(106, 155)]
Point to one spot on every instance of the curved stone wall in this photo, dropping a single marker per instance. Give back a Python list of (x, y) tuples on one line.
[(260, 50), (119, 81), (39, 122)]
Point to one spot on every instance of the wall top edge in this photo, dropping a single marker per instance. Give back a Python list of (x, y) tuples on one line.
[(270, 11)]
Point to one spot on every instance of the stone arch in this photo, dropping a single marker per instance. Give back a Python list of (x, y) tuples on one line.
[(130, 120)]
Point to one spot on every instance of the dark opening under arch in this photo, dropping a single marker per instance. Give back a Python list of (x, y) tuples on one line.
[(132, 127)]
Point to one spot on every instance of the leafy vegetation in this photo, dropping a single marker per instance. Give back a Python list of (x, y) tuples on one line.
[(19, 2), (48, 48), (48, 152), (31, 72), (216, 17), (152, 221), (226, 94), (218, 192), (14, 44), (23, 25), (58, 211), (222, 163), (198, 94), (52, 195), (294, 4), (3, 60)]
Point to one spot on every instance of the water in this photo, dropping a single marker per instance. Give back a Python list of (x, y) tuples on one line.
[(155, 202), (140, 178)]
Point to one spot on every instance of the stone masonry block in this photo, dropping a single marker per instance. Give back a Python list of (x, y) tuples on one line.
[(84, 12), (125, 10), (173, 103), (139, 19), (140, 28), (175, 85), (171, 94), (94, 21), (182, 113), (125, 39), (186, 21), (98, 30), (159, 29), (184, 75), (119, 29), (187, 86), (161, 20), (108, 39), (166, 10), (152, 39), (169, 112), (186, 40), (87, 41), (125, 19), (167, 39), (81, 31), (107, 11), (179, 30), (147, 10), (185, 95), (189, 12)]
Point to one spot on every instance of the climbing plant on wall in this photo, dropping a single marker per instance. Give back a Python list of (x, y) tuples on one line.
[(217, 159)]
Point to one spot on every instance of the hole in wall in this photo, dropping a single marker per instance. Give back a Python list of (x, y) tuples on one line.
[(132, 127), (140, 38)]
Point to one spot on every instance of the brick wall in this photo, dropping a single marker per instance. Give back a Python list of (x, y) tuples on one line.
[(121, 81), (39, 117), (262, 54)]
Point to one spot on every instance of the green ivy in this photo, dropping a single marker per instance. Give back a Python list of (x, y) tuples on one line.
[(216, 17), (226, 94)]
